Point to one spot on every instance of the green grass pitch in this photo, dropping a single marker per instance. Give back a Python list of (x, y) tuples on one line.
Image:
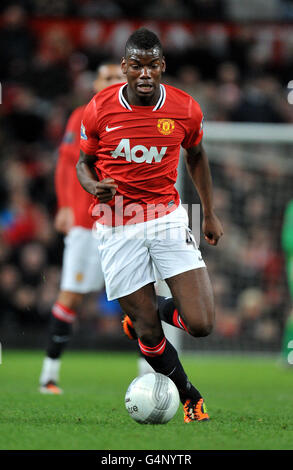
[(250, 401)]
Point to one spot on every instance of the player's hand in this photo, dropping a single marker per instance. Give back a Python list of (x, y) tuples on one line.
[(64, 220), (212, 229), (105, 189)]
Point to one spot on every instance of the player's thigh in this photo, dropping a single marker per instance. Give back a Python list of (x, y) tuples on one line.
[(193, 296), (125, 260), (173, 248), (180, 263)]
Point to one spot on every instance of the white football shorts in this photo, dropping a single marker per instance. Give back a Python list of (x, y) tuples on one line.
[(81, 269), (138, 254)]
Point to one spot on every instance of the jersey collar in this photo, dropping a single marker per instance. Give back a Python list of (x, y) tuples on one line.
[(159, 105)]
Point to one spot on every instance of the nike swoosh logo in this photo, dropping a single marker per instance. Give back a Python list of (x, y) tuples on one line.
[(109, 129)]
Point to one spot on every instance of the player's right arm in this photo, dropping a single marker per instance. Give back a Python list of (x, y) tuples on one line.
[(103, 190), (64, 218)]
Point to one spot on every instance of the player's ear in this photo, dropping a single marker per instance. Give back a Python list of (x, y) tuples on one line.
[(163, 64), (123, 65)]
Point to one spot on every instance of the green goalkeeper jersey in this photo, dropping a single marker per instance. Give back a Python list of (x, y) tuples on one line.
[(287, 230), (287, 242)]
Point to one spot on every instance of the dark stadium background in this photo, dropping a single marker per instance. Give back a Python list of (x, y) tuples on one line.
[(234, 57)]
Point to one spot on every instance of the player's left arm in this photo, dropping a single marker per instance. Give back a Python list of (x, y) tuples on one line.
[(199, 170)]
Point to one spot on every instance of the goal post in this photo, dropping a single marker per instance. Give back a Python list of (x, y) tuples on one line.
[(252, 170)]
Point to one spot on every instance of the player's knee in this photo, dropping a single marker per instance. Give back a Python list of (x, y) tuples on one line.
[(200, 329), (203, 325), (71, 300)]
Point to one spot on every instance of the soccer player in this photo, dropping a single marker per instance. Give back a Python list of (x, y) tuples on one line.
[(81, 269), (130, 142)]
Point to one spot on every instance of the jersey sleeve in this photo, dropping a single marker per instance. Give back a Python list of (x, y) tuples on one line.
[(68, 154), (62, 178), (193, 126), (89, 138)]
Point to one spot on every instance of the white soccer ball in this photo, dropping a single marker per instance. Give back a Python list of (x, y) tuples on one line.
[(152, 398)]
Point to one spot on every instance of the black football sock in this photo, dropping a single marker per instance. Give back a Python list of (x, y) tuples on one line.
[(164, 359), (60, 333), (169, 313)]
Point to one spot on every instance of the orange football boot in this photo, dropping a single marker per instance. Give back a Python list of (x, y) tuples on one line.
[(195, 411), (128, 327), (51, 388)]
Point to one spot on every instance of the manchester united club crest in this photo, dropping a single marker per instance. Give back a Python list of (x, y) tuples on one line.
[(166, 126), (79, 277)]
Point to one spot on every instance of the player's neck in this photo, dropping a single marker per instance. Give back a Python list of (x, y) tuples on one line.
[(136, 100)]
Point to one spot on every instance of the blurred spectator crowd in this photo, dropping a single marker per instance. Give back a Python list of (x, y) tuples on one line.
[(247, 268), (160, 9), (238, 74)]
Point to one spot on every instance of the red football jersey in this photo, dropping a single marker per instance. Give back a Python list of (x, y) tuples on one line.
[(139, 147), (68, 188)]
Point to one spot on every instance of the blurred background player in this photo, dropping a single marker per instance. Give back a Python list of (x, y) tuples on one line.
[(287, 244), (81, 270)]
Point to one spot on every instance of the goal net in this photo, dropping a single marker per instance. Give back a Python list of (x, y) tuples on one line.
[(252, 169)]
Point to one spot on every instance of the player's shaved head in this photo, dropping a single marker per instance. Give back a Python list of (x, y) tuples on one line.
[(143, 39), (143, 65)]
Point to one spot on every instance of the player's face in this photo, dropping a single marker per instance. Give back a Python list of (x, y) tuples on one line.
[(108, 75), (143, 70)]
